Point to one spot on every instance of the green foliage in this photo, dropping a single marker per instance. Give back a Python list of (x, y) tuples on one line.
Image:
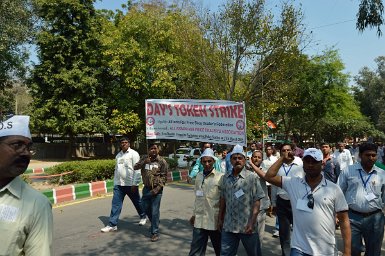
[(172, 163), (370, 14), (83, 171), (67, 84), (123, 123), (370, 93), (16, 30)]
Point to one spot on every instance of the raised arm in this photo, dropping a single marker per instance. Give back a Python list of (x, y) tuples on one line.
[(271, 174)]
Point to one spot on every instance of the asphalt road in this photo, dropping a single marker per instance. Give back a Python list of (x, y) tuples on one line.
[(77, 228)]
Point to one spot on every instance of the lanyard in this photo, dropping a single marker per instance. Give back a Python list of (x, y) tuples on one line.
[(309, 192), (365, 182), (284, 169)]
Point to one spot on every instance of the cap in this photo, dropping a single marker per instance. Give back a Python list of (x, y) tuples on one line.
[(238, 149), (313, 152), (208, 152), (16, 125)]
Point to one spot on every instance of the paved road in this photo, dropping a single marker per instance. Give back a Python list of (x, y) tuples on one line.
[(77, 228)]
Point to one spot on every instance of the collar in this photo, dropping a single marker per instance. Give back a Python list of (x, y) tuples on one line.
[(323, 182), (14, 187), (128, 150), (242, 174), (374, 169)]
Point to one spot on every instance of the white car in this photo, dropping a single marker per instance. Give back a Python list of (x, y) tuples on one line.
[(183, 153)]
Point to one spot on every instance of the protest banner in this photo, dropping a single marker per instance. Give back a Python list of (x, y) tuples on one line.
[(215, 121)]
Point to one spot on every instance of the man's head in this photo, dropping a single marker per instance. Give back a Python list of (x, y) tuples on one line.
[(206, 145), (269, 150), (224, 153), (238, 158), (312, 162), (207, 160), (368, 155), (15, 145), (341, 146), (153, 150), (253, 146), (124, 144), (326, 149), (257, 157)]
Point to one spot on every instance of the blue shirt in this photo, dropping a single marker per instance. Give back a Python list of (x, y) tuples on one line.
[(357, 184)]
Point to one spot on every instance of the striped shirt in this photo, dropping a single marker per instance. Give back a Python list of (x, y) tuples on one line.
[(364, 192)]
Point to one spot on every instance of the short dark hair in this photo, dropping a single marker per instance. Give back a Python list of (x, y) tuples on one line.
[(367, 146), (285, 144), (150, 144), (124, 139), (325, 143)]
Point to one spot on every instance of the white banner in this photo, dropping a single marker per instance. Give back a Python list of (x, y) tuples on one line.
[(216, 121)]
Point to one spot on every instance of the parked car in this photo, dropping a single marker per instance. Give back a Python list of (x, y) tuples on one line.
[(183, 154)]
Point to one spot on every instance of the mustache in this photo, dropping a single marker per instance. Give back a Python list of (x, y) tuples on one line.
[(22, 160)]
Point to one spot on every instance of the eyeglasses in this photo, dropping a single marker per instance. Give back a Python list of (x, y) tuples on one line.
[(310, 204), (20, 146)]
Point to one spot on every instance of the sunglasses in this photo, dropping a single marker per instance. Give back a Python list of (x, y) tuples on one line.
[(310, 203)]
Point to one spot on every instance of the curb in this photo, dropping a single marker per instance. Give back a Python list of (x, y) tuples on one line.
[(69, 193)]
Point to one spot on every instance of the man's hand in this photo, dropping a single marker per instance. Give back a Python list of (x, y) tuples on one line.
[(147, 160), (220, 225), (288, 156), (249, 228), (192, 220)]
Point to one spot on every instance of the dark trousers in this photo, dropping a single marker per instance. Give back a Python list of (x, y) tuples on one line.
[(200, 239), (285, 218), (230, 243)]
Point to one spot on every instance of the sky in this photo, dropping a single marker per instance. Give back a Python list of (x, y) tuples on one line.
[(333, 24)]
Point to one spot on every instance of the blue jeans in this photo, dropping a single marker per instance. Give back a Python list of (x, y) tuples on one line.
[(199, 241), (285, 218), (230, 243), (151, 206), (117, 202), (371, 228), (296, 252)]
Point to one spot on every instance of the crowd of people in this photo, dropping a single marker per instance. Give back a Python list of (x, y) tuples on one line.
[(311, 192)]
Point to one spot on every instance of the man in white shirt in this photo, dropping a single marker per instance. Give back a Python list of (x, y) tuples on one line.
[(315, 202), (342, 157), (289, 167), (126, 182)]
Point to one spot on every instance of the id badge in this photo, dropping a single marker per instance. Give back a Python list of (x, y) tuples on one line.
[(199, 193), (302, 205), (370, 196), (239, 193)]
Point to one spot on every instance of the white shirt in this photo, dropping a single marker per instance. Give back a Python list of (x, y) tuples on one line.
[(124, 174), (344, 158), (314, 229), (268, 162), (295, 169)]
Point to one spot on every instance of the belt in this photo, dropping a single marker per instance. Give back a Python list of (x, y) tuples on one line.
[(365, 214)]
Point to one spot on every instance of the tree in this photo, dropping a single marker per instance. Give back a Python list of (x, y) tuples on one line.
[(370, 14), (16, 30), (67, 84), (370, 93), (145, 53)]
